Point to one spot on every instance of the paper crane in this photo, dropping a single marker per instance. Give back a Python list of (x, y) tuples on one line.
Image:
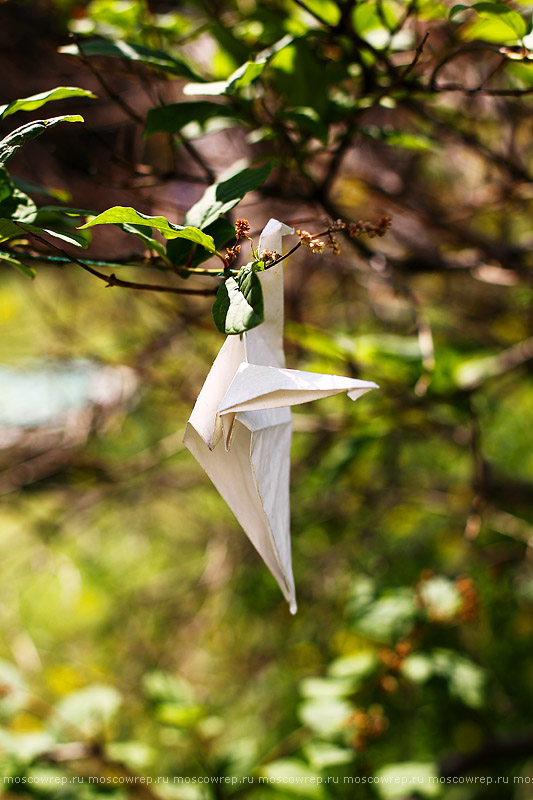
[(240, 427)]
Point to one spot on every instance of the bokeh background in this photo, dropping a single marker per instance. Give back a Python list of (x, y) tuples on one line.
[(141, 634)]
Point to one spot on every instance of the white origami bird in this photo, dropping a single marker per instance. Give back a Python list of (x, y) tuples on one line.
[(240, 427)]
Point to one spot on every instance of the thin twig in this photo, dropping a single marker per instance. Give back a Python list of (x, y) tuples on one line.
[(414, 62), (282, 258), (114, 96), (195, 155), (312, 13)]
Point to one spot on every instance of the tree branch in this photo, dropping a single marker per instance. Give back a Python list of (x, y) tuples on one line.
[(112, 280)]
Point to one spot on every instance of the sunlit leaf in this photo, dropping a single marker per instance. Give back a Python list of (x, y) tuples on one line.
[(358, 665), (239, 303), (18, 207), (11, 143), (397, 781), (179, 715), (243, 76), (325, 715), (326, 687), (18, 265), (456, 9), (89, 709), (129, 51), (293, 777), (224, 195), (163, 687), (496, 22), (180, 251), (323, 754), (37, 100), (120, 215), (389, 617)]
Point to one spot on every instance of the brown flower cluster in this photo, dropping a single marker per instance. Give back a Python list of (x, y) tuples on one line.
[(333, 244), (368, 724), (242, 229), (469, 595), (393, 659), (268, 256), (354, 229), (312, 243), (361, 227), (232, 253)]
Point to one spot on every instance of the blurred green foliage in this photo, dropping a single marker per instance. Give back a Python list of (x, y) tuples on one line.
[(142, 639)]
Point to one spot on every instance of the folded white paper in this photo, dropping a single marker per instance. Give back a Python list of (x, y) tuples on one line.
[(240, 427)]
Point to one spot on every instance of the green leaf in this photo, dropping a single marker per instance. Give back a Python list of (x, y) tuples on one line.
[(326, 687), (325, 715), (18, 206), (11, 143), (497, 23), (89, 709), (441, 598), (239, 303), (224, 195), (9, 229), (16, 264), (6, 185), (323, 754), (175, 116), (70, 237), (180, 716), (26, 747), (142, 232), (130, 51), (397, 781), (38, 100), (409, 141), (134, 754), (60, 195), (179, 250), (293, 777), (308, 120), (119, 215), (503, 14), (358, 666), (15, 693), (243, 76), (466, 680), (417, 667), (388, 617), (457, 9), (163, 687)]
